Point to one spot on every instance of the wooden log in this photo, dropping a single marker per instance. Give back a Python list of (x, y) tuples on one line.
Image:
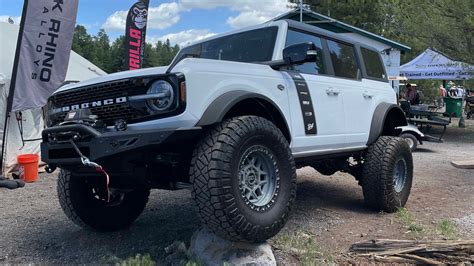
[(420, 259), (463, 164), (394, 259), (425, 252)]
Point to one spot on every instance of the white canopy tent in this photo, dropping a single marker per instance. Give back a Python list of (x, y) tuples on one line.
[(433, 65), (32, 120)]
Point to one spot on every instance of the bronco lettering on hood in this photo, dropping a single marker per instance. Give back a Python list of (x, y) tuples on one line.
[(92, 104)]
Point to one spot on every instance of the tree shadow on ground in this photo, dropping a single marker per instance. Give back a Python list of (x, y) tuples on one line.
[(160, 225), (329, 195), (424, 150)]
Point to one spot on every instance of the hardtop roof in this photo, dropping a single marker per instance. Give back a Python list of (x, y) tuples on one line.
[(296, 25), (339, 26), (325, 33)]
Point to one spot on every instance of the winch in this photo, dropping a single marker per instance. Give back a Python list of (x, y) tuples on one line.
[(85, 117)]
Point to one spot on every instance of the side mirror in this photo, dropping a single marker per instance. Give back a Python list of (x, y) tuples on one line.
[(300, 53)]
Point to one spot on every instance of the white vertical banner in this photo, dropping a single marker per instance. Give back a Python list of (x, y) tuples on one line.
[(46, 40)]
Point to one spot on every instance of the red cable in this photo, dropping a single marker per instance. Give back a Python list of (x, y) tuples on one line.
[(100, 169)]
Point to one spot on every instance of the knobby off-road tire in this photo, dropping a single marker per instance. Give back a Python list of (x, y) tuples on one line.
[(387, 174), (411, 140), (81, 205), (228, 164)]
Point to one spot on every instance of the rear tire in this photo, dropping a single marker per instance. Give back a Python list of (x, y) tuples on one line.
[(387, 174), (82, 206), (244, 179), (411, 140)]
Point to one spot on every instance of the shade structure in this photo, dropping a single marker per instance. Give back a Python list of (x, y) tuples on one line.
[(434, 65)]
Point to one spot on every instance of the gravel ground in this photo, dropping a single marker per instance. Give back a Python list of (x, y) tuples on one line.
[(466, 225), (34, 229)]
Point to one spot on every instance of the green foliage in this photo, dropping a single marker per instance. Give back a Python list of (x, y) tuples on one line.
[(405, 216), (409, 220), (138, 260), (193, 262), (447, 229), (110, 56), (303, 247)]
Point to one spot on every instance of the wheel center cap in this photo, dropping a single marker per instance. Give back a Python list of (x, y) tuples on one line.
[(252, 178)]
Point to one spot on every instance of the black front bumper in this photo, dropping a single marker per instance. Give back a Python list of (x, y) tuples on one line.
[(56, 149)]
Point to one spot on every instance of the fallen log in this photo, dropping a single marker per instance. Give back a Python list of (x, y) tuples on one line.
[(463, 164), (426, 252)]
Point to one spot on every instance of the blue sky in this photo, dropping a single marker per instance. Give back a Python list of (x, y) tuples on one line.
[(181, 21)]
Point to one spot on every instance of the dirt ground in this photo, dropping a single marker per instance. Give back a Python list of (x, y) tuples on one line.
[(330, 215)]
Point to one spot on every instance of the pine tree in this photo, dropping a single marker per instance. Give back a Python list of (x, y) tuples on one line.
[(110, 57)]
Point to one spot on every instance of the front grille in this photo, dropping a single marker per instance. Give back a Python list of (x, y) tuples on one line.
[(100, 92)]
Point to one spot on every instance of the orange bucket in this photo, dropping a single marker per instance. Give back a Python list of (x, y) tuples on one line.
[(28, 167)]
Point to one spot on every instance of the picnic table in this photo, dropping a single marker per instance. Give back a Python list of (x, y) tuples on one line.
[(420, 116)]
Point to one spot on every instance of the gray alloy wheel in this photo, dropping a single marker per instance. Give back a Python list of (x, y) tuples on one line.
[(258, 177), (400, 174)]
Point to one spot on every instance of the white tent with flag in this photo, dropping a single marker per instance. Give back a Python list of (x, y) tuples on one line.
[(434, 65), (32, 122)]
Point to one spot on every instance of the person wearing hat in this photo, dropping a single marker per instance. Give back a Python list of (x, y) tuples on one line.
[(411, 94)]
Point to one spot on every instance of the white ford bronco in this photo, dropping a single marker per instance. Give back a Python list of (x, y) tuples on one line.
[(231, 118)]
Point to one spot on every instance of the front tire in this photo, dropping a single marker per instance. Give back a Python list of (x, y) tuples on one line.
[(81, 204), (244, 179), (387, 174)]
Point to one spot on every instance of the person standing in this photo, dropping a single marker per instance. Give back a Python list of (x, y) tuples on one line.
[(410, 93), (442, 94)]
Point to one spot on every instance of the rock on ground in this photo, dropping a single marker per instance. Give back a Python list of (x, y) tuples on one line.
[(211, 249)]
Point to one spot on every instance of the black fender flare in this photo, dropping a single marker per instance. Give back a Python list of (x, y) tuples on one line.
[(380, 118), (217, 110)]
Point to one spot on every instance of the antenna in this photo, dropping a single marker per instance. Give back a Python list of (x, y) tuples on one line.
[(301, 10)]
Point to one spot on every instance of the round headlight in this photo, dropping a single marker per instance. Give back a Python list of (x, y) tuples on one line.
[(164, 96)]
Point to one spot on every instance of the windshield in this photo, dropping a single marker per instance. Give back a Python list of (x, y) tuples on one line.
[(249, 46)]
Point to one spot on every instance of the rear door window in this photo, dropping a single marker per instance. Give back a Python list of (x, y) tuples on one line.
[(373, 64), (344, 60), (297, 37)]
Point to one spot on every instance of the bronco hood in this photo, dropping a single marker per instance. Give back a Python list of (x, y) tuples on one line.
[(115, 76)]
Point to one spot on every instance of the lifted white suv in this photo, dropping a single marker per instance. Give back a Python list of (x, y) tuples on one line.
[(232, 117)]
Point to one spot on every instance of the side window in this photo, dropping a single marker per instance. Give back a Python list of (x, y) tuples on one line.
[(344, 60), (296, 37), (373, 64), (249, 46)]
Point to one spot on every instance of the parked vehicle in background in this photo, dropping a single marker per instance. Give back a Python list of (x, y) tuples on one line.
[(414, 136), (232, 118)]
